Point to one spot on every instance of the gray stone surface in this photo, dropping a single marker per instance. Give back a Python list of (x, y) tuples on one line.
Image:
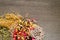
[(46, 12)]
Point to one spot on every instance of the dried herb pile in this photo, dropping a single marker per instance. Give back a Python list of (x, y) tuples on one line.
[(16, 27)]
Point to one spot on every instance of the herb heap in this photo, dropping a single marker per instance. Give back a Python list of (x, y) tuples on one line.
[(4, 33), (16, 27)]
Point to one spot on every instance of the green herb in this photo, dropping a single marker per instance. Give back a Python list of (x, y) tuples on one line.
[(4, 34)]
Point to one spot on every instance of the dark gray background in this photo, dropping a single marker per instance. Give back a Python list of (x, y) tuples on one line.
[(47, 13)]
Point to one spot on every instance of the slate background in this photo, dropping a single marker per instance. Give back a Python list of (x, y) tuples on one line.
[(46, 12)]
